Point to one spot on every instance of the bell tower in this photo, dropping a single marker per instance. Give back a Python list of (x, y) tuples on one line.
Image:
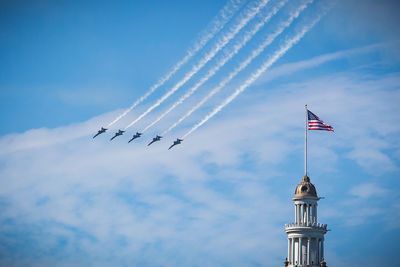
[(305, 235)]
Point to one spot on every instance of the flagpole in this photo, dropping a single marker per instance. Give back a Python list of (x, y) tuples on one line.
[(305, 143)]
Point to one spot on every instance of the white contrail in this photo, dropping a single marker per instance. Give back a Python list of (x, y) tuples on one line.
[(249, 14), (247, 37), (270, 38), (267, 64), (218, 22)]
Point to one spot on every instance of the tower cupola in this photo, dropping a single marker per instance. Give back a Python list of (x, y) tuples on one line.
[(305, 189), (305, 235)]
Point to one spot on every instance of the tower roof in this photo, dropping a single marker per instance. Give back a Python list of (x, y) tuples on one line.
[(305, 189)]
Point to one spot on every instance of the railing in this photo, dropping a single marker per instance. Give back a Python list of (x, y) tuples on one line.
[(305, 224)]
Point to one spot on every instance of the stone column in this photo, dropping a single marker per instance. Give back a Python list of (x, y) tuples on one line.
[(313, 213), (305, 213), (292, 250), (298, 213), (300, 251), (322, 248), (317, 251), (308, 252)]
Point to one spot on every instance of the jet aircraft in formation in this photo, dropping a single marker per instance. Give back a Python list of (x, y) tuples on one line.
[(136, 135), (102, 130), (155, 139), (177, 142), (120, 132)]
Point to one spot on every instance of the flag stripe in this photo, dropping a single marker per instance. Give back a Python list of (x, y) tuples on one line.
[(319, 129)]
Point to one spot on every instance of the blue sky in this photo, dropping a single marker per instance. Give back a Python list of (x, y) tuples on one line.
[(222, 197)]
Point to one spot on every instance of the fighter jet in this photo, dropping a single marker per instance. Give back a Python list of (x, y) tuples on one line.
[(120, 132), (102, 130), (155, 139), (177, 142), (137, 135)]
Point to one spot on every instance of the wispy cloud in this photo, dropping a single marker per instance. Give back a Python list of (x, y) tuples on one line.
[(293, 67), (114, 202), (367, 190)]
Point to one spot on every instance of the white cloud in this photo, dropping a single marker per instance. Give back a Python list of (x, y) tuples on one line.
[(368, 190), (196, 202), (290, 68)]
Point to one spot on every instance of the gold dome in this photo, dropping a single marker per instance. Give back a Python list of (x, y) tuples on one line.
[(305, 189)]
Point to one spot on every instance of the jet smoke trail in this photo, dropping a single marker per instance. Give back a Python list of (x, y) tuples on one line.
[(221, 62), (220, 44), (244, 64), (218, 22), (288, 44)]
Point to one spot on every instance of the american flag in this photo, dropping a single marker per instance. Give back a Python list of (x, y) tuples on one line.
[(315, 123)]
